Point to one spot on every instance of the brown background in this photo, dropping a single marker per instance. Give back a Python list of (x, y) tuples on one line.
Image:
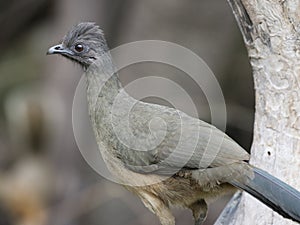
[(43, 178)]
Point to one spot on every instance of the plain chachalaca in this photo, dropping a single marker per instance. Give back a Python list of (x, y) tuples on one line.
[(164, 161)]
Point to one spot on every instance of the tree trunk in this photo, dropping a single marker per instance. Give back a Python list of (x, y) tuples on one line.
[(271, 31)]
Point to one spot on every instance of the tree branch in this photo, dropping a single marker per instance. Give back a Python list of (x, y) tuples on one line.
[(271, 32), (244, 22)]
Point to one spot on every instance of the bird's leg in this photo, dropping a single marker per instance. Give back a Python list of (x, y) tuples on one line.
[(158, 207), (199, 209)]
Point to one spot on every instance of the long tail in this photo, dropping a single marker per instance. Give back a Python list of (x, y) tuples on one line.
[(276, 194)]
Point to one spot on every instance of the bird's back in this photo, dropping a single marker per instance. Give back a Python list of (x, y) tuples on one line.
[(151, 138)]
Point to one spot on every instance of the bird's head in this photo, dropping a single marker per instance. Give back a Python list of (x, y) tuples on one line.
[(84, 44)]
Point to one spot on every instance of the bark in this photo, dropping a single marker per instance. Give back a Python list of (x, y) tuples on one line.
[(270, 30)]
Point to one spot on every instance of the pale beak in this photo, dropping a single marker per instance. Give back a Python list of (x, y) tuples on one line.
[(59, 49)]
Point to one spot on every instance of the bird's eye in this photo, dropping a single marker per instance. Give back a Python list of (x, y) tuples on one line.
[(79, 48)]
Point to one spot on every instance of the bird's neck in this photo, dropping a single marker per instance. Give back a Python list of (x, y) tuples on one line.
[(103, 86)]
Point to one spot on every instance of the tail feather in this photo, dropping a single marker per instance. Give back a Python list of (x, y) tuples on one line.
[(276, 194)]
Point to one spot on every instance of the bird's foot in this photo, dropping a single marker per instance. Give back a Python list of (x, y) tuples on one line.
[(199, 209)]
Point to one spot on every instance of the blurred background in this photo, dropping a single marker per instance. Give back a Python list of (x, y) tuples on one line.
[(43, 177)]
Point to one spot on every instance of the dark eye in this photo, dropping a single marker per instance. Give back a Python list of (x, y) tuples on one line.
[(79, 47)]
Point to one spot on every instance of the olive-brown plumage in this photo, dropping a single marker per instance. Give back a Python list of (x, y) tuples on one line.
[(181, 161)]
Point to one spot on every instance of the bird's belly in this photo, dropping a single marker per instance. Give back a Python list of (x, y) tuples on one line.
[(174, 190), (182, 192)]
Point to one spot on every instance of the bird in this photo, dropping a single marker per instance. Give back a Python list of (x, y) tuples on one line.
[(161, 154)]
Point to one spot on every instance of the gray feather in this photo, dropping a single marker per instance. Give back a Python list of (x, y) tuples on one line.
[(281, 197)]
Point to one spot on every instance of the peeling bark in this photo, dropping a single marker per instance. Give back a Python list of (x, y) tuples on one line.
[(271, 31)]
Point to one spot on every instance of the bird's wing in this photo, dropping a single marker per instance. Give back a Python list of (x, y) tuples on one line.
[(159, 139)]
